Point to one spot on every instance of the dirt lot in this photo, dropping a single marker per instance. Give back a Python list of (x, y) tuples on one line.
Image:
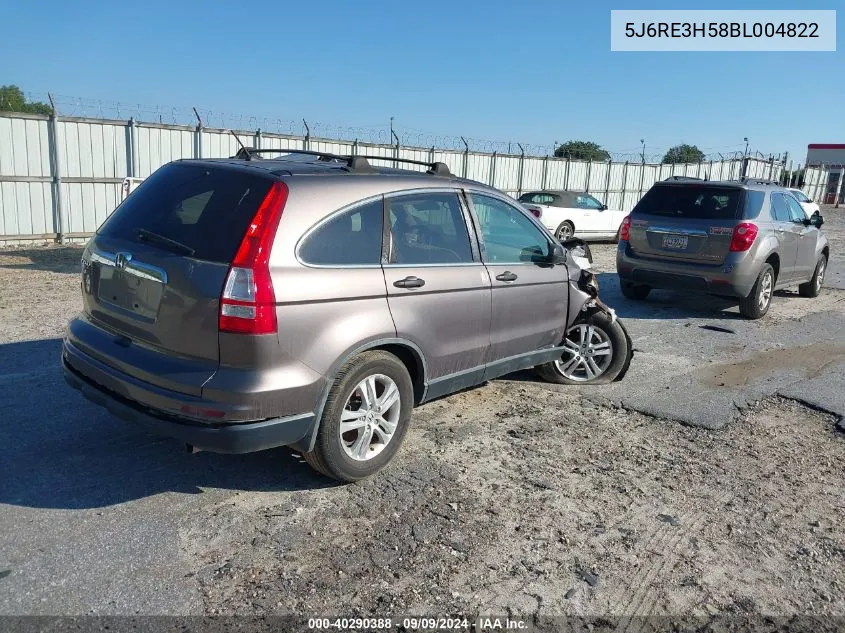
[(517, 497)]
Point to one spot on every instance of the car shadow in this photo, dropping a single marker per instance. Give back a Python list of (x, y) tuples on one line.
[(63, 259), (665, 304), (60, 451)]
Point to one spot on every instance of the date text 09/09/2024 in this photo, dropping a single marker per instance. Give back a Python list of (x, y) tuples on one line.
[(417, 624), (722, 29)]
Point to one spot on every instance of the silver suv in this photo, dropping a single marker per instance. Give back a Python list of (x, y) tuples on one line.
[(741, 239), (313, 300)]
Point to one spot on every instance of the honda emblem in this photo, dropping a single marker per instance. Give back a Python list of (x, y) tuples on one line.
[(121, 259)]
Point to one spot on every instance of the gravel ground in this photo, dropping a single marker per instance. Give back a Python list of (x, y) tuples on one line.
[(516, 497)]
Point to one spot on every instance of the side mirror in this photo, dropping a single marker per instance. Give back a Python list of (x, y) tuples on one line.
[(816, 220), (557, 255), (604, 207)]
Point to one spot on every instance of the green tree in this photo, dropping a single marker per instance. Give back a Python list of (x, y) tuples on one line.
[(12, 99), (582, 150), (683, 154)]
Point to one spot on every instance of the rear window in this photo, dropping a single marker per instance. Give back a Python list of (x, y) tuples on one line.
[(693, 202), (205, 208)]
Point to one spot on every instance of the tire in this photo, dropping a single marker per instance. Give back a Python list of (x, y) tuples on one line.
[(634, 291), (612, 334), (814, 287), (331, 455), (758, 301), (565, 230)]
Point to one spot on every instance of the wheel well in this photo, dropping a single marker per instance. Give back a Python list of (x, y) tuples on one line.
[(774, 261), (413, 363), (826, 252)]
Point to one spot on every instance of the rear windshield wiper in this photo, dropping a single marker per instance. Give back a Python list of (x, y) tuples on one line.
[(161, 240)]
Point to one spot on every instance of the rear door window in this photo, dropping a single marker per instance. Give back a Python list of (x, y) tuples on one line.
[(206, 209), (428, 228), (352, 238), (691, 202), (780, 208)]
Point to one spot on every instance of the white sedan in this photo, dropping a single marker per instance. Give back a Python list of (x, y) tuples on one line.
[(573, 213), (808, 205)]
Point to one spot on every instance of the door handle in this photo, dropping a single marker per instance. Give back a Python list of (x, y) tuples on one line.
[(409, 282), (506, 276)]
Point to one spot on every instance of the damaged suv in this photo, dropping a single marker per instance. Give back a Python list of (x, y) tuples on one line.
[(312, 300)]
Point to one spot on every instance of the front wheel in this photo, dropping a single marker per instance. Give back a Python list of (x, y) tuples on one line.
[(596, 351), (365, 417), (565, 231)]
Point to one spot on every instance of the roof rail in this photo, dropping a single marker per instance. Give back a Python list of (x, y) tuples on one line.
[(682, 178), (247, 153), (759, 181), (358, 162), (436, 168)]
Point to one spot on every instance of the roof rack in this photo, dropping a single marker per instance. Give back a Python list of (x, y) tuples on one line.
[(357, 163), (759, 181), (436, 168)]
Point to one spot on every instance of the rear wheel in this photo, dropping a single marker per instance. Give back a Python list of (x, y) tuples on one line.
[(365, 418), (596, 351), (814, 287), (637, 292), (565, 231), (757, 303)]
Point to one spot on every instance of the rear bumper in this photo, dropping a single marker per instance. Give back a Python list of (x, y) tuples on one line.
[(729, 279), (126, 398)]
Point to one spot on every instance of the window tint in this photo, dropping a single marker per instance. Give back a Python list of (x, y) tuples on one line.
[(698, 202), (796, 212), (509, 236), (780, 209), (753, 204), (587, 202), (537, 198), (350, 238), (206, 209), (428, 228)]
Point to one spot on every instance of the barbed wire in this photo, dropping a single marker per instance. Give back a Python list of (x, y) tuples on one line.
[(172, 115)]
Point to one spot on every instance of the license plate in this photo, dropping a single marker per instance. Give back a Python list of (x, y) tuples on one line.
[(675, 241)]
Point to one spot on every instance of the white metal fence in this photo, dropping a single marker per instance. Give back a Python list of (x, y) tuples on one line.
[(61, 177)]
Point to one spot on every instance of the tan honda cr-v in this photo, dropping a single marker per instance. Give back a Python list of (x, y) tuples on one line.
[(312, 300)]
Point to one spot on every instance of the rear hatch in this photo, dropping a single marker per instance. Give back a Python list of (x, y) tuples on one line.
[(156, 268), (686, 222)]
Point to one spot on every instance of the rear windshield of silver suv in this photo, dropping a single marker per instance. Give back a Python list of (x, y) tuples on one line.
[(699, 202)]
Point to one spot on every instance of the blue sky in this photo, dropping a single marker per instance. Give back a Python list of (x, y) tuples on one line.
[(533, 72)]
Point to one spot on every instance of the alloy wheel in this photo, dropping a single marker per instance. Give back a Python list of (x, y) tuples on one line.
[(370, 417), (765, 291), (587, 353)]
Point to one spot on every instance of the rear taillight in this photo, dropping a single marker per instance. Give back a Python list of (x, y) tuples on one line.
[(743, 237), (248, 303), (537, 213), (625, 229)]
